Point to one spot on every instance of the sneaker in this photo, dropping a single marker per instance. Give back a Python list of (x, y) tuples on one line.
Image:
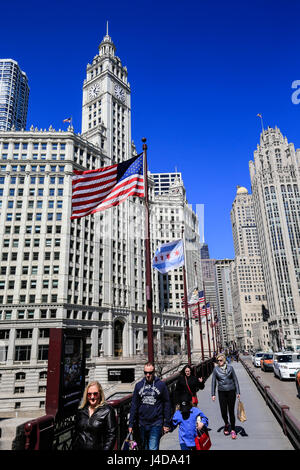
[(226, 429), (233, 434)]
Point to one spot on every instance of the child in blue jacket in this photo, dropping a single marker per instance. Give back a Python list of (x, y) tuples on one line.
[(186, 417)]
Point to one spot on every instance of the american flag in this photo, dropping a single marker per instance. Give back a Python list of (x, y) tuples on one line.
[(203, 312), (97, 190)]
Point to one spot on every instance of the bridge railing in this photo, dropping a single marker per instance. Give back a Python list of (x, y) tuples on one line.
[(289, 424), (47, 433)]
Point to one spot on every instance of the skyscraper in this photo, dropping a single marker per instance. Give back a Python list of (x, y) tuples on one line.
[(248, 288), (84, 273), (275, 180), (14, 94), (224, 298)]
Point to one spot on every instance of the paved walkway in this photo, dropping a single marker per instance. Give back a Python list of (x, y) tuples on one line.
[(261, 431)]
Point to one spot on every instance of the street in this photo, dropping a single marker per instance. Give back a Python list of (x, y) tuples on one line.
[(284, 389)]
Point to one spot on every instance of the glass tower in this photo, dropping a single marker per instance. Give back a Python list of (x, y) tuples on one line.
[(14, 93)]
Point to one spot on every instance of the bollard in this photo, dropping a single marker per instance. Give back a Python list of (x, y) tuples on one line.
[(282, 408)]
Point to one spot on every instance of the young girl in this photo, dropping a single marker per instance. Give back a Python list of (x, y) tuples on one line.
[(186, 418)]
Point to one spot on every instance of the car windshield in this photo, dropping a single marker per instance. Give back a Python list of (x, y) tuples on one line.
[(259, 354), (285, 358), (268, 356)]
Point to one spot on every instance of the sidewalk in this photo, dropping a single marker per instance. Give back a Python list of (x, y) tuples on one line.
[(261, 431)]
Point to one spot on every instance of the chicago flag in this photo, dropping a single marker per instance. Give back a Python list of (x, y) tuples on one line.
[(169, 256)]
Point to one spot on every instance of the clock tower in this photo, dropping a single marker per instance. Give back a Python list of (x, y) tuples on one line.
[(106, 113)]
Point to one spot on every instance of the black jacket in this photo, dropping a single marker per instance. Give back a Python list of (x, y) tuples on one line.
[(182, 392), (97, 432)]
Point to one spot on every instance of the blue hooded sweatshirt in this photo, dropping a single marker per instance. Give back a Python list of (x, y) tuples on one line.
[(150, 404), (187, 427)]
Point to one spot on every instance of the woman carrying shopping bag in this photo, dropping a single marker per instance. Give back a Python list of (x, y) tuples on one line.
[(228, 389)]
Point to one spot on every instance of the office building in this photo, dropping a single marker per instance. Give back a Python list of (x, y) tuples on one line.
[(84, 273), (14, 94), (163, 181), (248, 288), (275, 181), (224, 302)]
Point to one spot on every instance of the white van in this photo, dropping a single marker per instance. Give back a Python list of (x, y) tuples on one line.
[(286, 364)]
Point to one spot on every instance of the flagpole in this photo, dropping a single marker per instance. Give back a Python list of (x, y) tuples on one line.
[(186, 304), (148, 260), (212, 316), (208, 338), (199, 319)]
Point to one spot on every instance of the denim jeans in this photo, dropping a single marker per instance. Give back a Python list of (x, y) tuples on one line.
[(185, 447), (150, 437)]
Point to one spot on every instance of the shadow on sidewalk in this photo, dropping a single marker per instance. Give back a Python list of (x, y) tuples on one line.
[(238, 429)]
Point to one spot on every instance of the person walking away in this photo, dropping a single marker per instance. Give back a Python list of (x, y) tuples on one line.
[(187, 386), (228, 389), (95, 424), (186, 418), (150, 408)]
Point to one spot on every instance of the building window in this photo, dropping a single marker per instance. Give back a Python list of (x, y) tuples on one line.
[(22, 353), (43, 352)]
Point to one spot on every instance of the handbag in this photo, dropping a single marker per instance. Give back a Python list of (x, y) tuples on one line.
[(202, 440), (129, 443), (194, 397), (241, 414)]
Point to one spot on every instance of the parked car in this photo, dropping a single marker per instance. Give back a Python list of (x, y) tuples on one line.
[(298, 382), (257, 357), (286, 364), (266, 362)]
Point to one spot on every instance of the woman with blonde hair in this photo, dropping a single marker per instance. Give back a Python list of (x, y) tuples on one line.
[(228, 389), (96, 426)]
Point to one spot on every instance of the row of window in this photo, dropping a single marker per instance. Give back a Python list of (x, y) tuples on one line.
[(34, 179), (30, 216), (32, 192), (35, 146)]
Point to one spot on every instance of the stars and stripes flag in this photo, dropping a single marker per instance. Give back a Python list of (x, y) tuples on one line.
[(97, 190), (202, 309), (195, 297), (168, 256)]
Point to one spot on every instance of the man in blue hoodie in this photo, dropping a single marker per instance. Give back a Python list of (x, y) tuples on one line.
[(150, 409)]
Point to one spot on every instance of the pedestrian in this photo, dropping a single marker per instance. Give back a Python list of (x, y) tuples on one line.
[(95, 425), (150, 408), (187, 386), (228, 390), (189, 419)]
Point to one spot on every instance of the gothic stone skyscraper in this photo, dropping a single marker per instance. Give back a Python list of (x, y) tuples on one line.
[(85, 273), (275, 180)]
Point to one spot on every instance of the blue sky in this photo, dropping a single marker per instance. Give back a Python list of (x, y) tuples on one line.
[(199, 72)]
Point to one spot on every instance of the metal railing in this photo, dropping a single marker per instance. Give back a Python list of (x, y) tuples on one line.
[(289, 424), (46, 433)]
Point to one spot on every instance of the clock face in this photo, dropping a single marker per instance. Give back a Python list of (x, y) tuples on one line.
[(94, 90), (119, 92)]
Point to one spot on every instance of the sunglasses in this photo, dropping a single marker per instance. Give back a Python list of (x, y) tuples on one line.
[(220, 360), (150, 373), (95, 395)]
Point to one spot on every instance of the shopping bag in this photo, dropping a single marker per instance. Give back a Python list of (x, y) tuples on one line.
[(195, 400), (241, 414), (129, 443), (202, 441)]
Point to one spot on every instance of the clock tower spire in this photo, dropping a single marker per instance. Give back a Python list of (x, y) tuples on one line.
[(106, 107)]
